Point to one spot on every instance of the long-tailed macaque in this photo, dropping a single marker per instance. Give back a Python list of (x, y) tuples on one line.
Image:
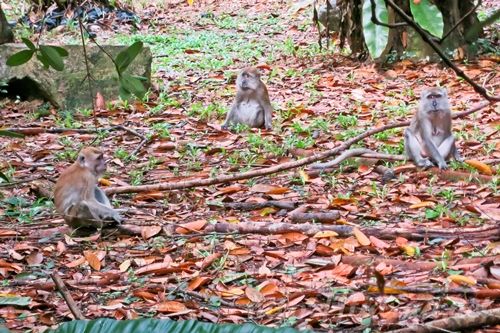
[(252, 105), (428, 139), (77, 196)]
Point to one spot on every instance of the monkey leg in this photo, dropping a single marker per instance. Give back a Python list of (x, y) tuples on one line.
[(414, 150), (448, 148), (101, 197)]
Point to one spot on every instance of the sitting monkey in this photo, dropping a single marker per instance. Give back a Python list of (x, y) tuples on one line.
[(77, 196), (252, 105), (428, 139)]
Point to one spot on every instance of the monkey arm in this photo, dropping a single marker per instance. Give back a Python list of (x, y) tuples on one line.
[(414, 149), (430, 147), (229, 117), (268, 112)]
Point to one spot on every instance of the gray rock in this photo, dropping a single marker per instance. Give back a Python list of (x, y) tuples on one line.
[(67, 89)]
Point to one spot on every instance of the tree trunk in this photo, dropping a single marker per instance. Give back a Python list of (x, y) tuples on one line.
[(405, 39), (6, 35)]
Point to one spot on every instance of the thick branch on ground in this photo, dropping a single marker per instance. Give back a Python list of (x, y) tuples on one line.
[(273, 169), (425, 36), (456, 323), (320, 217), (288, 205), (415, 265), (455, 176), (490, 232), (479, 293)]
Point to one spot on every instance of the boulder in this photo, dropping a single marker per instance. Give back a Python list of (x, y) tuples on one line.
[(69, 88)]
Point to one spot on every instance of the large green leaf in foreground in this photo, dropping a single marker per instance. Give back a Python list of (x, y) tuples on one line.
[(161, 326)]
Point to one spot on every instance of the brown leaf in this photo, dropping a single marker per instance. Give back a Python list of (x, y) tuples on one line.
[(269, 189), (480, 166), (148, 232), (34, 258), (187, 228), (254, 295), (356, 299), (92, 260), (361, 237), (198, 282), (171, 307)]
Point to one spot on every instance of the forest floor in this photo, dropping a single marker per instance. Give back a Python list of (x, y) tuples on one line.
[(433, 237)]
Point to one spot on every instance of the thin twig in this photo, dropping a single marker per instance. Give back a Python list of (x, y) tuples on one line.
[(461, 20), (61, 287), (378, 22), (87, 68)]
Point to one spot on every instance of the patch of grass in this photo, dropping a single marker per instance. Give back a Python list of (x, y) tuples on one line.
[(347, 121), (206, 113), (200, 50)]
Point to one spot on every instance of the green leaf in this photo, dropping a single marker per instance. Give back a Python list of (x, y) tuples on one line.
[(16, 300), (20, 57), (105, 325), (428, 16), (4, 177), (11, 134), (376, 36), (52, 57), (29, 44), (124, 94), (62, 51), (431, 214), (43, 60), (133, 85), (125, 57)]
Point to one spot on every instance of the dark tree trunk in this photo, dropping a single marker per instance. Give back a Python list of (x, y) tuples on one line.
[(6, 35), (405, 38)]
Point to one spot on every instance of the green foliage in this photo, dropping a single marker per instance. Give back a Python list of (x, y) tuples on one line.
[(376, 36), (428, 16), (129, 84), (49, 56)]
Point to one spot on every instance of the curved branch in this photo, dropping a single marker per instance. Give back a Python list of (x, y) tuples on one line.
[(479, 89), (376, 21), (273, 169)]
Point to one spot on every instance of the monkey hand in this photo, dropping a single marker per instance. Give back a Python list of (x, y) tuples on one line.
[(224, 126), (269, 127), (425, 163)]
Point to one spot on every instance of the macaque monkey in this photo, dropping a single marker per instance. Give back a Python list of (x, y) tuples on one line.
[(428, 139), (77, 196), (252, 105)]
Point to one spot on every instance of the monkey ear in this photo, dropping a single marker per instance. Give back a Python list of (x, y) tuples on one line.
[(81, 160)]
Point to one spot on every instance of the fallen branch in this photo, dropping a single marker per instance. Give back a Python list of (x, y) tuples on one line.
[(328, 217), (455, 323), (415, 265), (270, 170), (61, 287), (345, 155), (454, 176), (479, 293), (490, 232), (288, 205)]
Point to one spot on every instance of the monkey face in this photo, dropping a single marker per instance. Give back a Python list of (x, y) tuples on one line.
[(435, 99), (248, 79), (93, 160)]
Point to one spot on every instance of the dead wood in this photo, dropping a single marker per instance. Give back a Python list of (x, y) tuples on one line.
[(455, 176), (320, 217), (417, 265), (288, 205), (490, 232), (456, 323), (479, 293), (61, 287), (273, 169)]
